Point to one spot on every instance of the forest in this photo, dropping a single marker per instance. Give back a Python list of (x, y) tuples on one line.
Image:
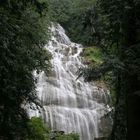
[(109, 31)]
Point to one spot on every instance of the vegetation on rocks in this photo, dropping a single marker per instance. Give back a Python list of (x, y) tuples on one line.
[(39, 131), (92, 55)]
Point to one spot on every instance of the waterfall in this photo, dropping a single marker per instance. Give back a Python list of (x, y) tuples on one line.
[(69, 104)]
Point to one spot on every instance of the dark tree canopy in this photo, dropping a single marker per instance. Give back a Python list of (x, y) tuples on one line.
[(23, 28), (120, 40)]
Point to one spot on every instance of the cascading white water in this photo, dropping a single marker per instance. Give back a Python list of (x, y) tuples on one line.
[(69, 105)]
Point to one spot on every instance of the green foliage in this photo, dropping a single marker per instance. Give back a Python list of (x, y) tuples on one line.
[(60, 10), (23, 33), (98, 71), (101, 69), (119, 37), (121, 26), (38, 131), (92, 55), (71, 136), (81, 26), (74, 15)]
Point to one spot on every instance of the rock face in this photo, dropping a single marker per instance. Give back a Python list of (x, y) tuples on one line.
[(105, 126), (70, 105)]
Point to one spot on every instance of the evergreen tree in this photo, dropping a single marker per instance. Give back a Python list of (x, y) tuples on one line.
[(120, 39), (22, 37)]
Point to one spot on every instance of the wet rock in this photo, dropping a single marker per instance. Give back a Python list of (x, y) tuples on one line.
[(74, 50), (53, 74), (105, 126), (53, 81), (66, 51)]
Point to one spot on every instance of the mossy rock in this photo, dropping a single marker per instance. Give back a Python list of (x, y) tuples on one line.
[(92, 55)]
